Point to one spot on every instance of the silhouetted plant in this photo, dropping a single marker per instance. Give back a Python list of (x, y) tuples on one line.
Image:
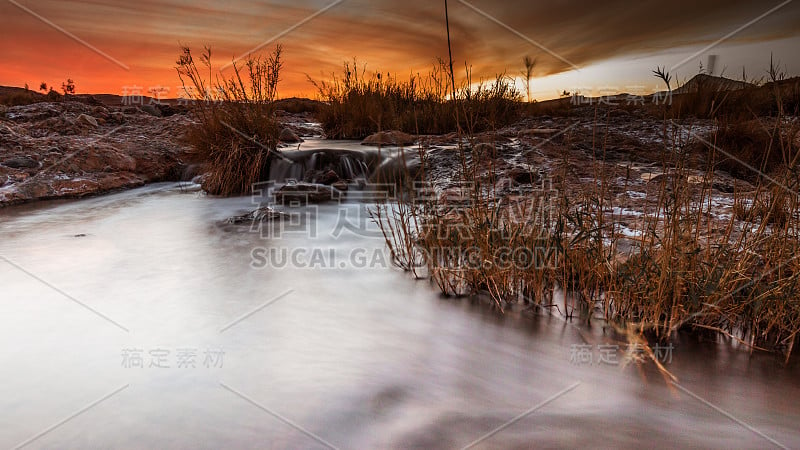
[(68, 87), (528, 73), (664, 75)]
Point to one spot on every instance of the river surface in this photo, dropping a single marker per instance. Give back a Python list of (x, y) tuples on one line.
[(140, 320)]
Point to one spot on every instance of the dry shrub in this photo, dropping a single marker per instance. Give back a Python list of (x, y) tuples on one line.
[(236, 132), (748, 145), (296, 105), (357, 104)]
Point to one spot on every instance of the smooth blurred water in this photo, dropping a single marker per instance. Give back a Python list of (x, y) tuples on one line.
[(358, 357)]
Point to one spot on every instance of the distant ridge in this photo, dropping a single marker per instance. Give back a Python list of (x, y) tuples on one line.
[(711, 83)]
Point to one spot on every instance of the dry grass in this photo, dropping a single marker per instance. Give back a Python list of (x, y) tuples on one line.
[(685, 270), (357, 103), (236, 132), (10, 96), (753, 144)]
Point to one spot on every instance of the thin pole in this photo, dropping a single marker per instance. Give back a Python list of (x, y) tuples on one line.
[(450, 52)]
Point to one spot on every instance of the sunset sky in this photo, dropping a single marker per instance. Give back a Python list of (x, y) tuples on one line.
[(589, 45)]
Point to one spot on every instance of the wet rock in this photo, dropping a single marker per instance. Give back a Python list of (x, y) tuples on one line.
[(289, 136), (340, 185), (326, 177), (304, 193), (329, 177), (189, 172), (21, 162), (395, 138), (86, 121), (263, 214), (405, 166), (75, 188)]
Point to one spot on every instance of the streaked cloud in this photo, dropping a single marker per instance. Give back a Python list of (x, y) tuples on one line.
[(393, 36)]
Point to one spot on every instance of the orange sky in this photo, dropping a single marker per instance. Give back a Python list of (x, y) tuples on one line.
[(613, 43)]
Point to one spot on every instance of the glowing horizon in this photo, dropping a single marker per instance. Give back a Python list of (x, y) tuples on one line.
[(615, 44)]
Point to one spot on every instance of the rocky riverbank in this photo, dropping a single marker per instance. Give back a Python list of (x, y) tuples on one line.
[(74, 149)]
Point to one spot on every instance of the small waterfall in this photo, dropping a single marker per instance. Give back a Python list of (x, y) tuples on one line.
[(316, 165), (280, 170)]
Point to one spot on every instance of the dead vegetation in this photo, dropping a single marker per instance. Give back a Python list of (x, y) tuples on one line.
[(679, 267), (236, 133), (358, 103)]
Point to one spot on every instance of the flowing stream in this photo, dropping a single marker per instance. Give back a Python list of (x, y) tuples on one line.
[(141, 320)]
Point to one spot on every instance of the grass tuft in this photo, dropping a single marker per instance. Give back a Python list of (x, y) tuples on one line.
[(236, 132), (357, 103)]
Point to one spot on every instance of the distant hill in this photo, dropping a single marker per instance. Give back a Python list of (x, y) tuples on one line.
[(11, 96), (711, 83), (12, 90)]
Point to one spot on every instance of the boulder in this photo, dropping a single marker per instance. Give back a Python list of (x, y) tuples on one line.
[(393, 138), (327, 177), (100, 111), (86, 120), (304, 193), (340, 185), (118, 117), (289, 136), (21, 162)]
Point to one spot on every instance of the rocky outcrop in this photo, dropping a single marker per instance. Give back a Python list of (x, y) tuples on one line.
[(263, 214), (393, 138), (73, 149), (86, 120), (289, 136)]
